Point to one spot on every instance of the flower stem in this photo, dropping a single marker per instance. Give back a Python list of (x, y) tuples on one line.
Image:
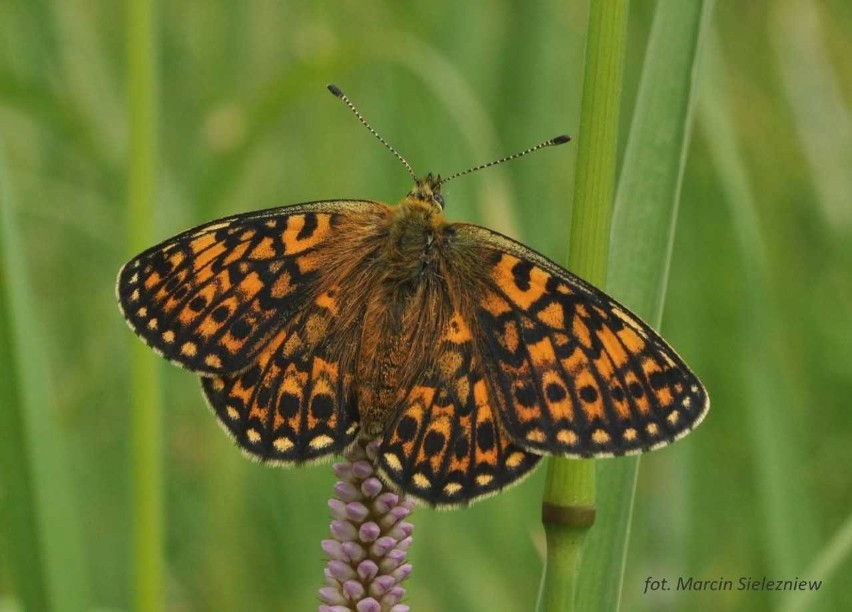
[(569, 497), (147, 465)]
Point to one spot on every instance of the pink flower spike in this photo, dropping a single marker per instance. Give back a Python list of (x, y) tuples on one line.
[(342, 470), (394, 596), (340, 570), (368, 532), (372, 487), (332, 549), (356, 511), (354, 551), (353, 590), (337, 508), (381, 546), (362, 470), (368, 605), (332, 596), (387, 500), (400, 511), (343, 531), (367, 557), (372, 450), (402, 572), (346, 491), (381, 585), (367, 570), (401, 530)]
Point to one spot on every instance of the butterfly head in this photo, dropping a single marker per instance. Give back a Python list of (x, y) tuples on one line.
[(427, 191)]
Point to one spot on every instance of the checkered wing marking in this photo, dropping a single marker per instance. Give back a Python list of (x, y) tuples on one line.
[(294, 403), (583, 375), (446, 446), (212, 297)]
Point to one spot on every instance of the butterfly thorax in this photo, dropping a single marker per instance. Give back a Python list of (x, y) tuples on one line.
[(415, 235)]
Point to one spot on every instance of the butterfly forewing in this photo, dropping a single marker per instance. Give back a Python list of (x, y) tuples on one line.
[(257, 304), (578, 374), (211, 298)]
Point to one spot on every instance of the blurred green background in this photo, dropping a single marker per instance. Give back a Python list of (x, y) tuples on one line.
[(759, 297)]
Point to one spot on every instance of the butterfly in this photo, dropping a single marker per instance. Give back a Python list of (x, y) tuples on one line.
[(469, 355)]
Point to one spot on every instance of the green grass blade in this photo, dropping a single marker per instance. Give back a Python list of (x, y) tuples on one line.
[(147, 463), (649, 186), (642, 237), (813, 85), (38, 509), (788, 525), (837, 551), (569, 496), (19, 505)]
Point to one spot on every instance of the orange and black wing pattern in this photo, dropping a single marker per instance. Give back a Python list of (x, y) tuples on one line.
[(211, 298), (575, 373), (446, 445), (294, 404), (252, 303)]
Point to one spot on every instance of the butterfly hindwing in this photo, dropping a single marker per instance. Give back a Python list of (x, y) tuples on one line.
[(211, 298), (292, 405), (580, 375), (296, 401), (445, 444)]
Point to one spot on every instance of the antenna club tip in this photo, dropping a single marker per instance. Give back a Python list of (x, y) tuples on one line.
[(335, 90), (561, 139)]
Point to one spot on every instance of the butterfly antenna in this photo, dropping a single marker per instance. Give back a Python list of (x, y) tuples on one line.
[(337, 92), (558, 140)]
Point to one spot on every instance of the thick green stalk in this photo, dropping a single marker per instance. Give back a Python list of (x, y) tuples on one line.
[(569, 496), (147, 464), (642, 237)]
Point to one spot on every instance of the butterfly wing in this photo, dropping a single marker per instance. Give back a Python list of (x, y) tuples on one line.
[(211, 298), (573, 372), (268, 308), (445, 444), (294, 403)]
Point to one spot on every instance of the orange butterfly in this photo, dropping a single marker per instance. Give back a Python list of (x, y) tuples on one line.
[(468, 354)]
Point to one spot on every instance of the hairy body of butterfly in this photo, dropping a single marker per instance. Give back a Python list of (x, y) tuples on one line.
[(468, 354)]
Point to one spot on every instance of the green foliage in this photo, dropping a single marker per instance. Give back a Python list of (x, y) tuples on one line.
[(245, 123), (642, 238), (38, 508)]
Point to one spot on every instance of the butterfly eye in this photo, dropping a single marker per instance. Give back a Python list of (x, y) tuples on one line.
[(439, 199)]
